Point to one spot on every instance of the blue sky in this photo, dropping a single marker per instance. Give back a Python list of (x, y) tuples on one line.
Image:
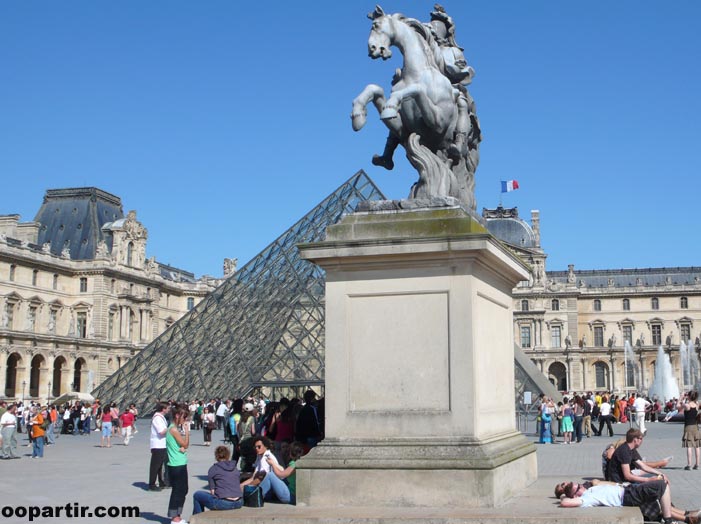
[(222, 122)]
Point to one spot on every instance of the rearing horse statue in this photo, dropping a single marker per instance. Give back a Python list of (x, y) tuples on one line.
[(429, 112)]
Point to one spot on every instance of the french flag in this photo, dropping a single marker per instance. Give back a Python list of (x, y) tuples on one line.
[(509, 185)]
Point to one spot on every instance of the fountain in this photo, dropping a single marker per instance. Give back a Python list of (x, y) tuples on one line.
[(694, 366), (630, 364), (664, 387), (685, 364)]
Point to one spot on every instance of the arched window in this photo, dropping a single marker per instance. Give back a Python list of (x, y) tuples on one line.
[(35, 375), (558, 375), (130, 253), (524, 305), (56, 386), (626, 304), (555, 305), (13, 361), (35, 276), (684, 303), (655, 302), (78, 373), (597, 305), (602, 375)]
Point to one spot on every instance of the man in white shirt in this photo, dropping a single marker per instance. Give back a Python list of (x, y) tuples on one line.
[(640, 405), (605, 417), (8, 423), (221, 414), (159, 428)]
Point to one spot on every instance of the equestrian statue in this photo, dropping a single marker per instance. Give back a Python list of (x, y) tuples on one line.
[(429, 111)]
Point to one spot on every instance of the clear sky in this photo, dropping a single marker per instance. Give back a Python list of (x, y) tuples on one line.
[(223, 122)]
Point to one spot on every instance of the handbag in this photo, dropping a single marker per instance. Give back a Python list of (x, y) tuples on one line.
[(253, 497)]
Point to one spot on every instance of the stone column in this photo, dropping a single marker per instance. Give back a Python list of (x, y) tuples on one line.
[(419, 365)]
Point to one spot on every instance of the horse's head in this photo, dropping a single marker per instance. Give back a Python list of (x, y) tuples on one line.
[(380, 41)]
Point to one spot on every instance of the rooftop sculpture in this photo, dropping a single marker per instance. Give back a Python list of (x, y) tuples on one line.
[(429, 111)]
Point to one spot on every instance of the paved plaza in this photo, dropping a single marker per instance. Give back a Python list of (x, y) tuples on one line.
[(77, 470)]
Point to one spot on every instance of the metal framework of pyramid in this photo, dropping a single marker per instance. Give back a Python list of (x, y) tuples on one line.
[(262, 329)]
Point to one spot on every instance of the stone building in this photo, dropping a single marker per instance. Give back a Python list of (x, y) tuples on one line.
[(78, 295), (574, 324)]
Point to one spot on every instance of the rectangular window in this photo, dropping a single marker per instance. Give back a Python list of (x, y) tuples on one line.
[(190, 303), (12, 272), (82, 324), (628, 334), (83, 284), (599, 336), (555, 336), (686, 332), (35, 276), (656, 334), (55, 283), (525, 336)]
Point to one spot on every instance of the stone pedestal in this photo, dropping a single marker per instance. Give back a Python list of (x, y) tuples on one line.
[(419, 365)]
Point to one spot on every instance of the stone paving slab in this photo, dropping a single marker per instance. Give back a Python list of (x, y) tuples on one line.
[(77, 470)]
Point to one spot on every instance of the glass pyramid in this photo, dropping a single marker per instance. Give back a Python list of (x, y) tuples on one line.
[(261, 330)]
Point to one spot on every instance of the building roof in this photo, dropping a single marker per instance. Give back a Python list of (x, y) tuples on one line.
[(505, 224), (628, 278), (74, 217)]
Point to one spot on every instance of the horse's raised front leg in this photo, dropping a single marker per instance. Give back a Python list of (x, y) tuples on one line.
[(359, 113)]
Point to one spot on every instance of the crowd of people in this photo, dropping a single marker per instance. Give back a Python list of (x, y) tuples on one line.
[(42, 424), (627, 478), (578, 415), (264, 441)]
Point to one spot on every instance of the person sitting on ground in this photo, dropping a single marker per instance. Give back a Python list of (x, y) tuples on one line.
[(289, 474), (608, 453), (626, 458), (225, 490), (271, 484), (651, 497)]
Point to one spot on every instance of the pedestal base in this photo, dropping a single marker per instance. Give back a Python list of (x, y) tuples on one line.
[(419, 365), (459, 472)]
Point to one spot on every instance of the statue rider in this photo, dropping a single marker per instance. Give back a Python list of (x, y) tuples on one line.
[(451, 59), (451, 62)]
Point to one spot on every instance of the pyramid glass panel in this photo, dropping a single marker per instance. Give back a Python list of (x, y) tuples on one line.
[(262, 329)]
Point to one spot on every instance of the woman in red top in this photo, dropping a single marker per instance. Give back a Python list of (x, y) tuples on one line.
[(106, 419)]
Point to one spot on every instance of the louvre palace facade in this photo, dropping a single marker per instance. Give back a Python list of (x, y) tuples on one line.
[(78, 295), (574, 324)]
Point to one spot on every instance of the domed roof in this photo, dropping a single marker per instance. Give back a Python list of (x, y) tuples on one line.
[(506, 225)]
